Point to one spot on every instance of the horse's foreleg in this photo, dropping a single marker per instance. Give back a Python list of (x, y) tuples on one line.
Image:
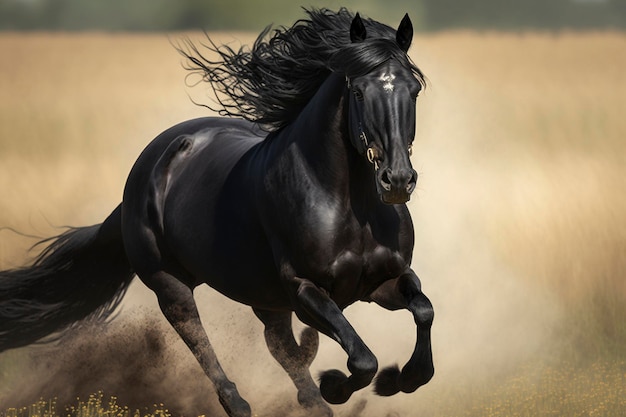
[(178, 306), (314, 307), (405, 292), (295, 359)]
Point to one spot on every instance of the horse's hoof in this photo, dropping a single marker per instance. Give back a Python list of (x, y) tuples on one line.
[(333, 387), (386, 383)]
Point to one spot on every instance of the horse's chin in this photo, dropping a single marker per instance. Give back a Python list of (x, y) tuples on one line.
[(394, 198)]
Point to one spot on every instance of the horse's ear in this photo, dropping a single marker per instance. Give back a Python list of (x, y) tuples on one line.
[(357, 29), (404, 35)]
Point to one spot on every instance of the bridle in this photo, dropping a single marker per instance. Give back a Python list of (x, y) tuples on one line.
[(357, 131)]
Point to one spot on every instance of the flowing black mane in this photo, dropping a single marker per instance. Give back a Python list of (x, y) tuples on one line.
[(271, 83)]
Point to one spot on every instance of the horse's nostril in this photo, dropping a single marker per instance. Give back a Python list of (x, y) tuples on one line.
[(385, 179), (412, 183)]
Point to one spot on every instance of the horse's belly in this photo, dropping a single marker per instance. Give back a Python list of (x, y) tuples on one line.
[(229, 254), (248, 281)]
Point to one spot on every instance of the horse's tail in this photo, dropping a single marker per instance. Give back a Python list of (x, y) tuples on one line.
[(82, 273)]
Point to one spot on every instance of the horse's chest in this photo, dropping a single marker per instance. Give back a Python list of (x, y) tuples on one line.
[(354, 275), (346, 257)]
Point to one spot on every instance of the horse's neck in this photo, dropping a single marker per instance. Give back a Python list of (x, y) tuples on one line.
[(326, 145)]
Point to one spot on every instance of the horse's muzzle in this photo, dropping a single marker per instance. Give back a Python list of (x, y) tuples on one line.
[(396, 186)]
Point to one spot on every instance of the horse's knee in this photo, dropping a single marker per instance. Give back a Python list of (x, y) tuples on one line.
[(423, 311)]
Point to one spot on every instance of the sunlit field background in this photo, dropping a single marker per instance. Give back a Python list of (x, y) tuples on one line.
[(520, 218)]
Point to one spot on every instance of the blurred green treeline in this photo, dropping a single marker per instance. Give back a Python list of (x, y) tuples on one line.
[(154, 15)]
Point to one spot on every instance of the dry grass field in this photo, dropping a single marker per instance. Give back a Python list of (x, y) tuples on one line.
[(520, 224)]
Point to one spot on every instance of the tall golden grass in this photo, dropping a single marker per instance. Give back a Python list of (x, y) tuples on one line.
[(520, 213)]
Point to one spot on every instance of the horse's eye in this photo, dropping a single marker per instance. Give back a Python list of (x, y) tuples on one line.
[(358, 94), (415, 93)]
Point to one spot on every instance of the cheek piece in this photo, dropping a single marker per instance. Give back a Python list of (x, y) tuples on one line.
[(358, 138)]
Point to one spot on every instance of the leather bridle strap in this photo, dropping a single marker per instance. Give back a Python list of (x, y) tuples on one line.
[(357, 132)]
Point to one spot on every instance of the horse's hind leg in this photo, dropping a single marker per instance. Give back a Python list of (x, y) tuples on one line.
[(178, 306), (295, 359)]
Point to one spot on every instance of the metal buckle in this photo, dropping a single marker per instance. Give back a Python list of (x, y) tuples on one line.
[(372, 157)]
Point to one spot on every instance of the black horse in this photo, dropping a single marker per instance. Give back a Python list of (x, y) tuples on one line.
[(295, 206)]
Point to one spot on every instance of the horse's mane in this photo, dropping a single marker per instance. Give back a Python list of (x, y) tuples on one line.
[(271, 83)]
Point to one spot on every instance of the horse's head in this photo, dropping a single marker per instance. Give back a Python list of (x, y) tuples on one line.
[(382, 109)]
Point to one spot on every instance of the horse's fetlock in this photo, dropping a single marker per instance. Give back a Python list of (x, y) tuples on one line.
[(411, 383), (232, 402), (364, 366), (228, 389)]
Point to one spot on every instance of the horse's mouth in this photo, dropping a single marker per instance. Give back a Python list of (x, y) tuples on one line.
[(395, 198)]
